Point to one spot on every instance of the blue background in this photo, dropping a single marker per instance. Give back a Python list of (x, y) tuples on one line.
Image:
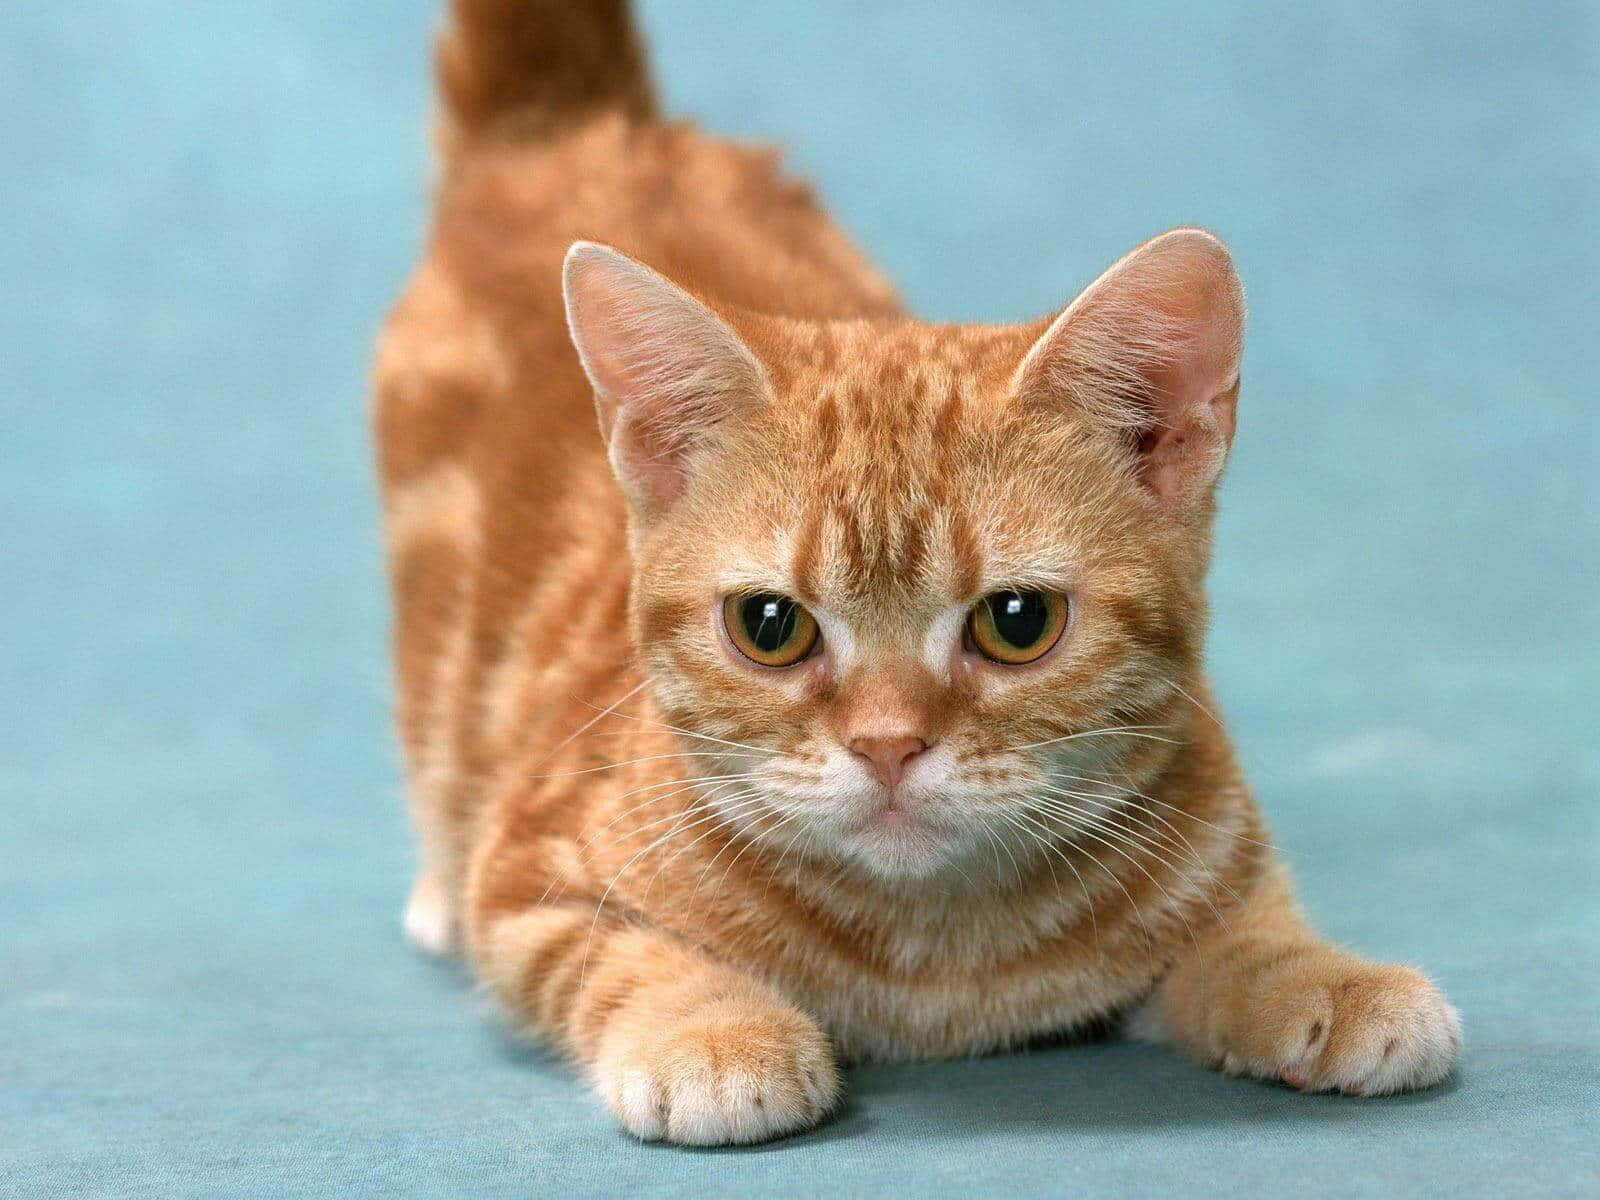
[(205, 209)]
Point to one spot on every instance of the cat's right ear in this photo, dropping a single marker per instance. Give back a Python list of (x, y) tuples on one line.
[(664, 367), (1151, 349)]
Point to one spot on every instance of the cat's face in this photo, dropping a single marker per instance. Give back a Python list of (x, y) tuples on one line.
[(914, 612), (891, 585)]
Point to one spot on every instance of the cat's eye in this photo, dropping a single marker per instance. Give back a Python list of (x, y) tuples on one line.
[(1017, 627), (769, 628)]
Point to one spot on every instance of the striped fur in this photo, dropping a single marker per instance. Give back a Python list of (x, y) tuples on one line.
[(647, 848)]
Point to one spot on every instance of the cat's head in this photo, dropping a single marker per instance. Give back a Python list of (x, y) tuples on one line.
[(919, 592)]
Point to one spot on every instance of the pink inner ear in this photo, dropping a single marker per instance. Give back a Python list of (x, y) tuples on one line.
[(1204, 359), (1187, 453), (1194, 394), (1152, 347), (665, 369), (648, 465)]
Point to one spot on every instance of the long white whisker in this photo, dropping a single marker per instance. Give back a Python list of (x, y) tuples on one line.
[(810, 836), (755, 836), (994, 843), (583, 844), (1016, 867), (1101, 823), (1178, 687), (1145, 817), (719, 783), (1148, 843), (704, 737), (609, 710), (1021, 822), (1149, 943), (727, 808), (1123, 730), (1228, 832), (605, 895), (1050, 839), (1121, 805), (600, 905), (677, 787), (1171, 808), (628, 762)]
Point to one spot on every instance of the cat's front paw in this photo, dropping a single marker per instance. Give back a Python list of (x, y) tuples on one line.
[(1338, 1023), (733, 1072)]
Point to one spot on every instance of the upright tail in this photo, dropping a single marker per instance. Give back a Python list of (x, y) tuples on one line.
[(527, 69)]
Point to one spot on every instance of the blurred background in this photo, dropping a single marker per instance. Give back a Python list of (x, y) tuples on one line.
[(205, 211)]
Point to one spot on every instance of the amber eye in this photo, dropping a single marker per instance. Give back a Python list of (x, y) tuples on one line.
[(1017, 627), (770, 629)]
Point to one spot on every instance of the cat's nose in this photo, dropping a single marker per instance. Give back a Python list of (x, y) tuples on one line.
[(888, 756)]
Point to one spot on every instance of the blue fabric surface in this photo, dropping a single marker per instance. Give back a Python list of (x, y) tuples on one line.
[(205, 209)]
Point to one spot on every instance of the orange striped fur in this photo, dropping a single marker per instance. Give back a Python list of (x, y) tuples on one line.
[(665, 860)]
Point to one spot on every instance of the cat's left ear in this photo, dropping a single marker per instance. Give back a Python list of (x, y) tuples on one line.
[(665, 369), (1151, 349)]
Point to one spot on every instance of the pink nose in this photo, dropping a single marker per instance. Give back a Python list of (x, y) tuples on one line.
[(888, 755)]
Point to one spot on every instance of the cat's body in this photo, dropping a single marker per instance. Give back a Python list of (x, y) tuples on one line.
[(702, 877)]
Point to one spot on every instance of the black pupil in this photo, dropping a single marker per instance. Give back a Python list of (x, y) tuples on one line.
[(1019, 617), (769, 620)]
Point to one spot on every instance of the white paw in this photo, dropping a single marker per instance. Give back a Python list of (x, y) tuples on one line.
[(1377, 1030), (427, 920), (724, 1079)]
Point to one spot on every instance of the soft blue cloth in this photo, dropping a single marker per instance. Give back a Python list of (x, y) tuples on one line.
[(203, 211)]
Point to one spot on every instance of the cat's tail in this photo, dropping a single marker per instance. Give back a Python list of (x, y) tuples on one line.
[(530, 69)]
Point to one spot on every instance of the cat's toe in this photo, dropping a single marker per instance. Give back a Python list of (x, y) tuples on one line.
[(1388, 1029), (720, 1081)]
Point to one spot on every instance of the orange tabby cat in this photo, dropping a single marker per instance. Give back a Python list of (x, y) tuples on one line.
[(839, 696)]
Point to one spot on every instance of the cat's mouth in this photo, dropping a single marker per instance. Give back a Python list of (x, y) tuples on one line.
[(891, 816), (898, 843), (902, 828)]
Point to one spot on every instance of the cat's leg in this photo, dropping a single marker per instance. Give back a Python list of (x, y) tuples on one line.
[(681, 1046), (1268, 998), (427, 920)]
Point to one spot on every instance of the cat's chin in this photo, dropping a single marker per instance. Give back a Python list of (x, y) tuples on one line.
[(896, 845)]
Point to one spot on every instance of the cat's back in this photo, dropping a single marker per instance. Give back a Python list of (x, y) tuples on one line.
[(475, 367)]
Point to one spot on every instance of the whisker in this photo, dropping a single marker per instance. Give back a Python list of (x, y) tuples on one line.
[(677, 786), (1179, 844), (609, 710), (727, 809), (756, 836), (663, 819), (628, 762), (1145, 816), (1048, 840), (1229, 832), (600, 905), (605, 895), (1120, 730), (809, 836), (1016, 821), (842, 871), (681, 786), (956, 867), (704, 737), (1016, 867), (1138, 914), (582, 846), (1105, 827), (1156, 850), (994, 844), (1172, 808), (1178, 687)]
